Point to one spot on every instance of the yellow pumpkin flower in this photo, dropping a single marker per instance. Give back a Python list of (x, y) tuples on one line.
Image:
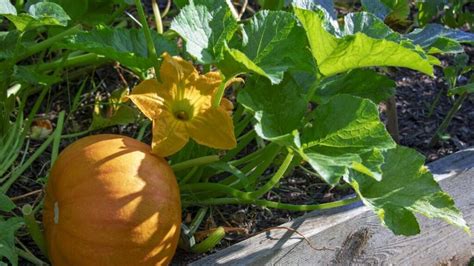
[(180, 106)]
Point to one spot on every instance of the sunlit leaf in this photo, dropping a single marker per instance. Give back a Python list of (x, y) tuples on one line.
[(396, 204), (205, 26), (341, 130), (127, 46), (337, 55), (274, 43), (40, 14), (6, 8), (271, 104), (363, 83)]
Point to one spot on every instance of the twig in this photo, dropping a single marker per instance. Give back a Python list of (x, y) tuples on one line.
[(26, 195), (298, 233)]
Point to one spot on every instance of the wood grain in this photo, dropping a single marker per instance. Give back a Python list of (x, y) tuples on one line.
[(358, 238)]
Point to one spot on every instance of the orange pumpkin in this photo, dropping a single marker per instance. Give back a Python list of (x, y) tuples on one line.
[(109, 201)]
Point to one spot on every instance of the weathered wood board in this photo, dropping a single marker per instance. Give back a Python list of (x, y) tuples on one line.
[(353, 235)]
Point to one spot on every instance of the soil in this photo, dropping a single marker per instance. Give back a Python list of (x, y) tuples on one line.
[(415, 93)]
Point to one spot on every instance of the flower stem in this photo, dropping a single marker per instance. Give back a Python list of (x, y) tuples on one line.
[(149, 40), (195, 162), (220, 92), (156, 13)]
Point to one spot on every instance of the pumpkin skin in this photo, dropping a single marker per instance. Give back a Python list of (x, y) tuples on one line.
[(109, 201)]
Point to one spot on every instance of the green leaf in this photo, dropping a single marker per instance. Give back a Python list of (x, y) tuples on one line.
[(7, 8), (407, 187), (468, 88), (326, 5), (127, 46), (8, 42), (6, 204), (205, 26), (342, 129), (430, 35), (370, 25), (7, 239), (113, 112), (28, 75), (363, 83), (76, 9), (40, 14), (427, 10), (400, 9), (274, 43), (337, 55), (271, 104), (376, 7)]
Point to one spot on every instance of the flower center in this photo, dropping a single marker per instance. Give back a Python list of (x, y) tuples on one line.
[(181, 115), (182, 110)]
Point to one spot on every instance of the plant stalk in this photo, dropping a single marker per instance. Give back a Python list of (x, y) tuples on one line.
[(33, 228), (149, 40), (195, 162)]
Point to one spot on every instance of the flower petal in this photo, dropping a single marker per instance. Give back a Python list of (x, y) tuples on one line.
[(175, 70), (213, 128), (169, 135), (208, 83), (150, 96)]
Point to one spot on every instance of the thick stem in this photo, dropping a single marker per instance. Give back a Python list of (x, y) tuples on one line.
[(33, 228), (195, 162), (272, 204), (444, 125), (149, 40), (80, 60), (220, 92), (392, 119), (275, 179)]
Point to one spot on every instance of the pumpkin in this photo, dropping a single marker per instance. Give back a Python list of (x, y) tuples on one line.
[(109, 201)]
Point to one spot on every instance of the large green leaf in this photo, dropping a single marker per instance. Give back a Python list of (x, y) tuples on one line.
[(363, 83), (337, 55), (342, 130), (7, 239), (271, 104), (7, 8), (40, 14), (370, 25), (376, 7), (127, 46), (112, 112), (205, 26), (274, 43), (407, 187), (428, 35), (8, 42)]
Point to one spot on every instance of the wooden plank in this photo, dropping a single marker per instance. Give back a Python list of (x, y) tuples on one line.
[(353, 235)]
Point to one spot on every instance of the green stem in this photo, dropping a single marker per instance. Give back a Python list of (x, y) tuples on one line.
[(29, 257), (149, 40), (17, 173), (444, 125), (272, 204), (47, 43), (80, 60), (220, 92), (57, 137), (143, 128), (275, 179), (210, 242), (156, 13), (195, 162), (213, 187), (77, 134), (33, 228), (197, 221), (188, 176)]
